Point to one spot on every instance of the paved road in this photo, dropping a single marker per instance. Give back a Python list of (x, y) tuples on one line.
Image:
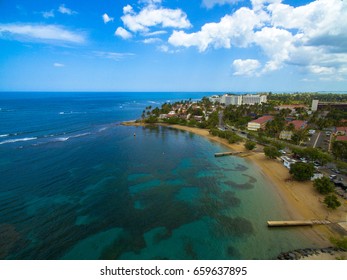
[(319, 140)]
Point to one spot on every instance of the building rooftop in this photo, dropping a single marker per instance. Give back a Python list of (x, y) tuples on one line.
[(298, 124), (341, 138), (290, 106), (263, 119)]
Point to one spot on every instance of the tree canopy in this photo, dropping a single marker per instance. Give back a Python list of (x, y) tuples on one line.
[(250, 145), (271, 152), (323, 185), (301, 171), (331, 201)]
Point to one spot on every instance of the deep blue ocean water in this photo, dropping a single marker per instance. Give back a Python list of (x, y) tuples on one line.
[(75, 184)]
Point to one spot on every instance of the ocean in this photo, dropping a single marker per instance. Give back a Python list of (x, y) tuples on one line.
[(75, 184)]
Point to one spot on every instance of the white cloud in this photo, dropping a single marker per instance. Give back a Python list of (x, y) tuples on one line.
[(57, 64), (106, 18), (123, 33), (48, 14), (236, 29), (63, 10), (211, 3), (128, 9), (247, 67), (152, 40), (312, 37), (42, 33), (153, 15), (259, 4), (112, 55), (155, 33), (150, 2), (163, 48), (277, 45)]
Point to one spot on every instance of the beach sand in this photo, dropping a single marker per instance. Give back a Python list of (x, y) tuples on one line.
[(300, 199)]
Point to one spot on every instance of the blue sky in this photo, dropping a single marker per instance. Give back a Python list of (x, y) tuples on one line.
[(173, 45)]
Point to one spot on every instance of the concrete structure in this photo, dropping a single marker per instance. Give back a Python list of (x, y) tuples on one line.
[(314, 106), (326, 106), (297, 223), (291, 107), (215, 98), (229, 99), (259, 123), (286, 135), (251, 99), (233, 99)]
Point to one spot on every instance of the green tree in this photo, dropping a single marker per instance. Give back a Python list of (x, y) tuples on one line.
[(151, 119), (300, 136), (250, 145), (331, 201), (271, 152), (234, 138), (323, 185), (339, 149), (301, 171), (291, 127)]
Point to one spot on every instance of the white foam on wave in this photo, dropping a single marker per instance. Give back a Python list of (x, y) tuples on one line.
[(63, 139), (102, 129), (18, 140), (80, 135), (4, 135), (71, 113)]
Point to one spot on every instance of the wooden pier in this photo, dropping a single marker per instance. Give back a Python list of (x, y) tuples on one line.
[(297, 223), (226, 154)]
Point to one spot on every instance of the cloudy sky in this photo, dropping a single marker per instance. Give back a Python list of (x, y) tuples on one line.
[(173, 45)]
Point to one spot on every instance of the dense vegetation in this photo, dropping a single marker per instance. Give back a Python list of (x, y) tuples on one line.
[(304, 98), (232, 137), (331, 201), (301, 171), (271, 152), (323, 185), (250, 145)]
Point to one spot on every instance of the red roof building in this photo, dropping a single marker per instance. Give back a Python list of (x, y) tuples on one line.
[(341, 138), (342, 130), (298, 124), (259, 123)]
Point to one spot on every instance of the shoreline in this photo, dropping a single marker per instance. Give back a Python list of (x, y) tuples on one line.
[(300, 199)]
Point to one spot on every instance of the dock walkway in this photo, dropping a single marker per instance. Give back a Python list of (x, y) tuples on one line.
[(297, 223), (226, 154)]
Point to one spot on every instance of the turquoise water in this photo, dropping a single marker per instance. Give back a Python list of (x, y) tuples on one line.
[(83, 187)]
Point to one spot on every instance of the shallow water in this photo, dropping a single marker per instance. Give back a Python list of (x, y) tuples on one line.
[(86, 188)]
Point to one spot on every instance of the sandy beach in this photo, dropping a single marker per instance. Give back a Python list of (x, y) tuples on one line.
[(300, 198)]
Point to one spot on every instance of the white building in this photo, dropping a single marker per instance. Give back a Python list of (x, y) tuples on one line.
[(314, 105), (215, 98), (259, 123), (232, 99), (251, 99)]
